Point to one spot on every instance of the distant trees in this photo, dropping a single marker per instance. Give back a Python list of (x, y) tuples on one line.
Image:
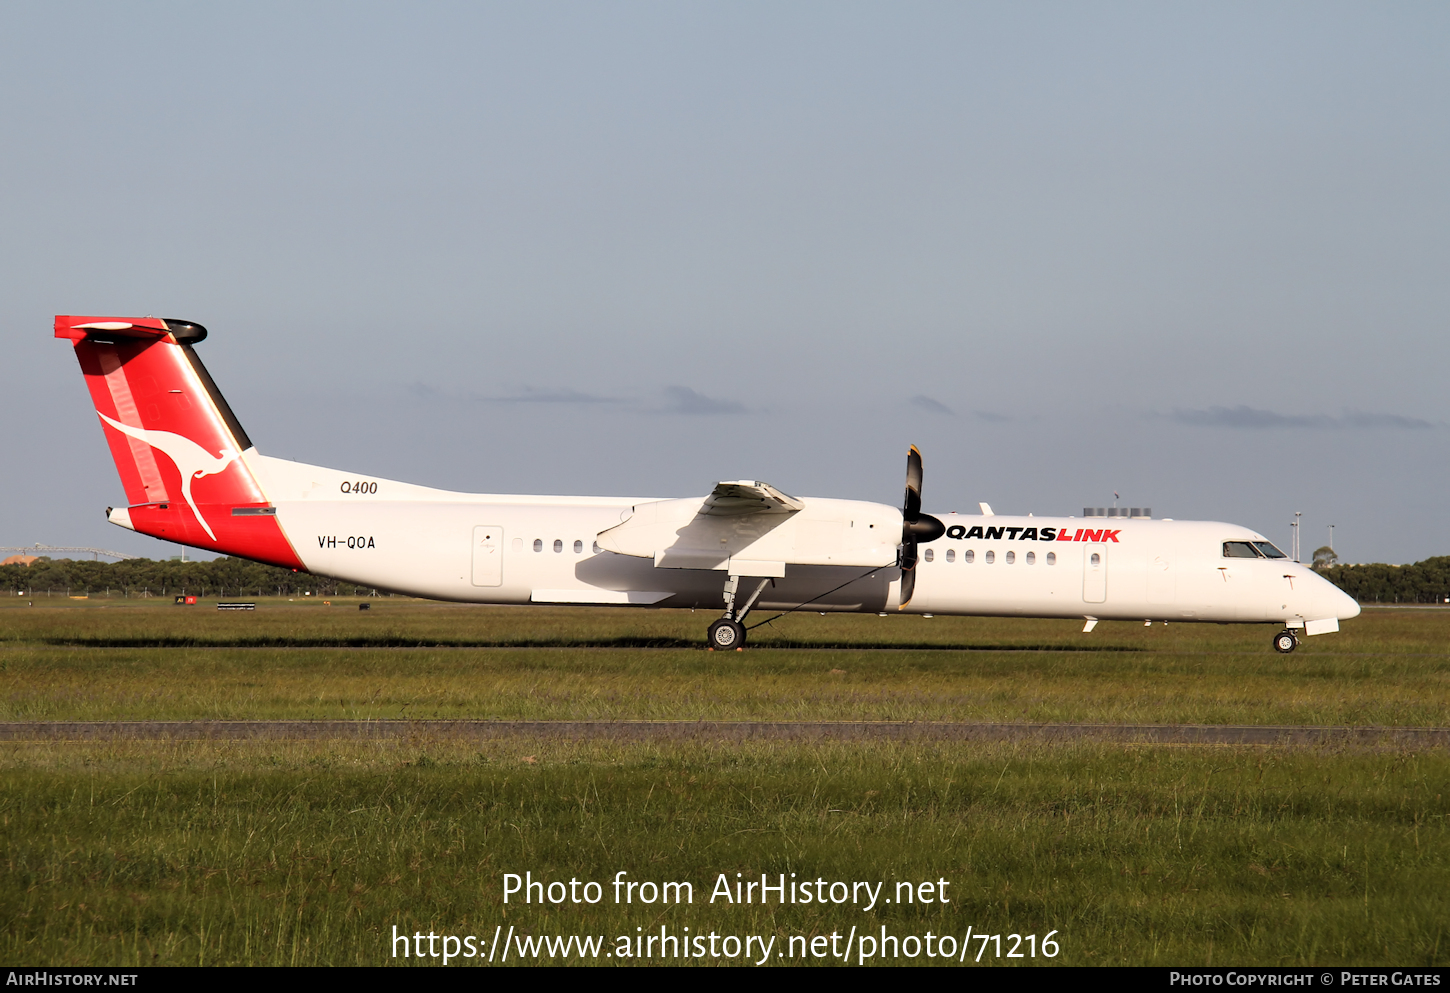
[(224, 577), (1423, 582)]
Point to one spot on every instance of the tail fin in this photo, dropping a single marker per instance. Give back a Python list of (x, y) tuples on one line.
[(153, 396)]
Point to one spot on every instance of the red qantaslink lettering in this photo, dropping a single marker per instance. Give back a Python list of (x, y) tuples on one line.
[(1085, 534)]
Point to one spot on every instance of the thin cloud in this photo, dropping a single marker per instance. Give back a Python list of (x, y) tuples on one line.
[(531, 395), (683, 400), (1252, 418), (432, 394), (934, 406), (1360, 419), (989, 417), (1247, 417)]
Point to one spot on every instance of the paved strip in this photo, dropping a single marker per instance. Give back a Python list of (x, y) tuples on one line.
[(303, 730)]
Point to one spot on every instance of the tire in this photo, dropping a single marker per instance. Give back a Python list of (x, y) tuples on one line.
[(1285, 642), (726, 635)]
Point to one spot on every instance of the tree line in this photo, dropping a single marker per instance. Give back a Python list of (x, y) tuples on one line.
[(1423, 582), (223, 577)]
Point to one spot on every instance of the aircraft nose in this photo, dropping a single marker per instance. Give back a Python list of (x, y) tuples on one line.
[(1348, 606), (1331, 601)]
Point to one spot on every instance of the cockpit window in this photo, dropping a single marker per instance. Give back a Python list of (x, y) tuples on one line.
[(1270, 552), (1239, 550)]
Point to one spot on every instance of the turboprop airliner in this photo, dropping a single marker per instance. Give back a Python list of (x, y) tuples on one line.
[(192, 476)]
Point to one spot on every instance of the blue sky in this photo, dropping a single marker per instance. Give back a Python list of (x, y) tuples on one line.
[(1193, 253)]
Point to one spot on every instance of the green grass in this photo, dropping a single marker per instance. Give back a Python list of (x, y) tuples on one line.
[(1388, 668), (295, 854), (402, 623), (164, 852), (762, 684)]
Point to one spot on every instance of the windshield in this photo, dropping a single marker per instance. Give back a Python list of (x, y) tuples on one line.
[(1270, 552), (1239, 550)]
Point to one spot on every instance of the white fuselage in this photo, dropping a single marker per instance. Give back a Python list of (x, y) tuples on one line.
[(835, 554)]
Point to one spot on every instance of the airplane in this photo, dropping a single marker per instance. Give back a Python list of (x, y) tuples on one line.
[(192, 476)]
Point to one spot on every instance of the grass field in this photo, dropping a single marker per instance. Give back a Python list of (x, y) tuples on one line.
[(137, 661), (137, 852)]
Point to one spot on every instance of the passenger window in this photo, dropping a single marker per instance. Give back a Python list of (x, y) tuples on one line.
[(1270, 552), (991, 556), (1096, 560), (951, 555), (578, 547), (1031, 558), (1011, 558), (538, 544), (1239, 550), (1052, 558), (969, 556), (596, 548), (929, 555), (558, 545)]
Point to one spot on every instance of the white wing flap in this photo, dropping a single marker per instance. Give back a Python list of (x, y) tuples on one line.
[(745, 496)]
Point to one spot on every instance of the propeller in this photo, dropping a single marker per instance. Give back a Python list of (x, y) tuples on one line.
[(915, 526)]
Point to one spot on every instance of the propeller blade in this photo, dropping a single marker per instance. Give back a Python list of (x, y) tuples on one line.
[(911, 507), (915, 526)]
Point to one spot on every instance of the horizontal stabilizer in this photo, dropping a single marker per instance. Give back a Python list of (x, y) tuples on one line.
[(78, 328)]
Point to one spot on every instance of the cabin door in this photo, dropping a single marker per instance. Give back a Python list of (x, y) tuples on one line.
[(487, 555), (1162, 577)]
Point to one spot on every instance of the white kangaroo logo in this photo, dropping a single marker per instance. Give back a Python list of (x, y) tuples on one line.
[(191, 460)]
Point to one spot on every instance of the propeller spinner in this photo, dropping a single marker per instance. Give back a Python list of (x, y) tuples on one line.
[(915, 526)]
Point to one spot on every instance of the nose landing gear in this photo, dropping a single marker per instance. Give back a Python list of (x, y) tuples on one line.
[(1285, 641), (729, 631)]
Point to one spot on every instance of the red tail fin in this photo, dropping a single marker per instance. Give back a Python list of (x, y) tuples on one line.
[(176, 443)]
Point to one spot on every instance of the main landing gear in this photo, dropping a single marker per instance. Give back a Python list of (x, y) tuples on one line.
[(729, 631), (1285, 641)]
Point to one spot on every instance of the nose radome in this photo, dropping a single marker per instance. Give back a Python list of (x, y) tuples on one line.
[(1349, 606), (1331, 601)]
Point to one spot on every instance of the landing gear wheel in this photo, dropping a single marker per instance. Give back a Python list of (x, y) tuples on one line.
[(1285, 642), (725, 635)]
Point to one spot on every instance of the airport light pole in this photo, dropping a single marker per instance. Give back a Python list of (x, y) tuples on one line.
[(1297, 514)]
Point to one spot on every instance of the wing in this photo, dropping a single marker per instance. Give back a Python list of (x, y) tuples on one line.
[(704, 533), (744, 496)]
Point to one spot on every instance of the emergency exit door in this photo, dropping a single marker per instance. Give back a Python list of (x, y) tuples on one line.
[(1095, 575), (487, 555)]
